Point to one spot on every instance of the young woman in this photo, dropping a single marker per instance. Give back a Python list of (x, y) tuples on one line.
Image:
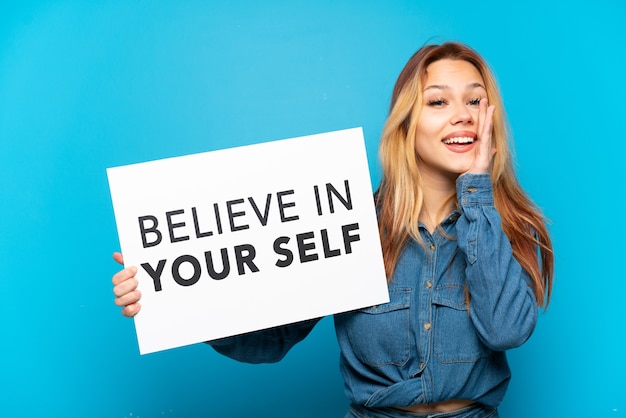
[(467, 255)]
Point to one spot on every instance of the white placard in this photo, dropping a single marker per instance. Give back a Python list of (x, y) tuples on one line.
[(248, 238)]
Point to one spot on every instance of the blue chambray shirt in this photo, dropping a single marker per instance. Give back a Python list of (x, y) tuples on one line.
[(425, 345)]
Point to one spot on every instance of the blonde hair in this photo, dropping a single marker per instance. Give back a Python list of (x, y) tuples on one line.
[(400, 196)]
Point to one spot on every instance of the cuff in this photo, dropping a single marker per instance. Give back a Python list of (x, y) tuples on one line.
[(474, 189)]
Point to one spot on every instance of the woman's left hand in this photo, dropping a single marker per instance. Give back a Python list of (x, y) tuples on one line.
[(485, 150)]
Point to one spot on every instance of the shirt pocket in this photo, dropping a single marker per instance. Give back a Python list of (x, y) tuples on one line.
[(456, 339), (380, 335)]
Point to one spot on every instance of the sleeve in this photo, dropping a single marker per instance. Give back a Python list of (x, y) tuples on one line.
[(265, 346), (503, 307)]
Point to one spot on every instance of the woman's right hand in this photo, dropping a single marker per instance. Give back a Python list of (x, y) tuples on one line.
[(125, 288)]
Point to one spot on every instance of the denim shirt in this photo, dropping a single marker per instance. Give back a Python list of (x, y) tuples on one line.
[(426, 345)]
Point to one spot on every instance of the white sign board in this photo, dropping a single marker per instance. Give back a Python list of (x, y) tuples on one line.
[(248, 238)]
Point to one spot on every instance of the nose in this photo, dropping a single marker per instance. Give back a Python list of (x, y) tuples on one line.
[(461, 115)]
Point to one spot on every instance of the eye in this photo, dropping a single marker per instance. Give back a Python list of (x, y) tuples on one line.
[(436, 102), (475, 101)]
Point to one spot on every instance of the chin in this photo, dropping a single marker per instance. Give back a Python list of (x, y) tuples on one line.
[(460, 169)]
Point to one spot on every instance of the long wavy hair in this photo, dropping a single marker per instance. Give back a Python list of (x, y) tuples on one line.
[(400, 196)]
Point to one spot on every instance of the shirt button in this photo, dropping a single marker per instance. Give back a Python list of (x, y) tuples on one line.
[(432, 247), (421, 365), (427, 326), (472, 189), (429, 284)]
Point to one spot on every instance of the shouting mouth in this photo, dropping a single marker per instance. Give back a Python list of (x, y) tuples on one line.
[(459, 140)]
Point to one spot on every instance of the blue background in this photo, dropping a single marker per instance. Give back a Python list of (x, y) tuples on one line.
[(89, 85)]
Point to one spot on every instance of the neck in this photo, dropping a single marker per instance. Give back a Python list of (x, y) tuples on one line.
[(438, 200)]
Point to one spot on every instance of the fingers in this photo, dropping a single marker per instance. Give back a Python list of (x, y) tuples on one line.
[(126, 292), (124, 275), (485, 126), (485, 119), (128, 300), (118, 257), (485, 150), (125, 289), (131, 310)]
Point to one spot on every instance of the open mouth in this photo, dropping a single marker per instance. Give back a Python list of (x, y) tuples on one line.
[(459, 140)]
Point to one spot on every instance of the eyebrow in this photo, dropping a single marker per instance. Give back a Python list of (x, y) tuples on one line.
[(470, 86)]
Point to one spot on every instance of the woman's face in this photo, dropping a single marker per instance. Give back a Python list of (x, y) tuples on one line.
[(447, 125)]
